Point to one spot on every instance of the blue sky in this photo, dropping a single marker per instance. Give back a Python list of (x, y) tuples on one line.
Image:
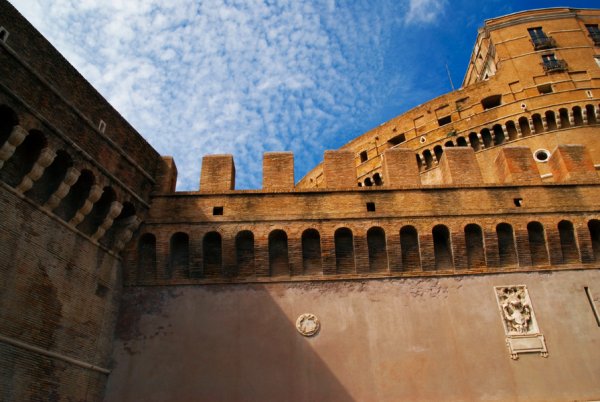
[(250, 76)]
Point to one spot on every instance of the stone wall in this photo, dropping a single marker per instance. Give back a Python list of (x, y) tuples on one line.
[(380, 340)]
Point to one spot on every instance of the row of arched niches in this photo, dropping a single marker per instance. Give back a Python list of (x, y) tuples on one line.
[(381, 250), (501, 133), (58, 177)]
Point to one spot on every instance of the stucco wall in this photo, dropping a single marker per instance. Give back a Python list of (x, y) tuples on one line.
[(380, 340)]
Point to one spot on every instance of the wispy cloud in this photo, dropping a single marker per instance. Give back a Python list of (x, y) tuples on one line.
[(240, 77), (424, 11)]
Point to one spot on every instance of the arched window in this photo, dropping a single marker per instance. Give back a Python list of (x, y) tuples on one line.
[(76, 196), (147, 256), (23, 159), (442, 247), (344, 251), (594, 228), (378, 260), (52, 177), (564, 118), (428, 159), (474, 140), (551, 120), (438, 151), (377, 179), (591, 114), (577, 116), (507, 251), (8, 119), (244, 252), (212, 255), (524, 126), (461, 142), (512, 130), (311, 252), (568, 244), (474, 244), (409, 245), (368, 182), (179, 258), (486, 137), (537, 243), (498, 134), (278, 253), (538, 125), (98, 213), (449, 144)]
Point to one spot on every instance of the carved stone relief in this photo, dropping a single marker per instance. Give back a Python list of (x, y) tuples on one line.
[(308, 324), (520, 326)]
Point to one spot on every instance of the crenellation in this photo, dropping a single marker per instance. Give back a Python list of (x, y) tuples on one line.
[(278, 171), (516, 165), (218, 173), (339, 169), (570, 162)]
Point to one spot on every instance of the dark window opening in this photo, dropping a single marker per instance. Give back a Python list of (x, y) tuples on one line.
[(518, 202), (474, 246), (344, 251), (591, 114), (474, 140), (594, 228), (244, 252), (76, 196), (371, 206), (3, 34), (491, 101), (507, 251), (461, 142), (23, 159), (212, 254), (551, 120), (537, 243), (278, 253), (594, 33), (538, 125), (368, 182), (179, 255), (524, 126), (438, 151), (311, 252), (377, 179), (8, 119), (51, 179), (442, 247), (568, 244), (397, 140), (363, 156), (512, 130), (539, 39), (486, 137), (217, 210), (498, 134), (444, 120), (577, 116), (545, 89), (378, 259), (564, 118), (96, 217), (409, 247), (551, 63)]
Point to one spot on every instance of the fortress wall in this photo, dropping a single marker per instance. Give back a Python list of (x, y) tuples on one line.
[(41, 81), (380, 340), (58, 292)]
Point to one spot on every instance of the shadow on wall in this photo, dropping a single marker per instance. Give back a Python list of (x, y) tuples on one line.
[(214, 343)]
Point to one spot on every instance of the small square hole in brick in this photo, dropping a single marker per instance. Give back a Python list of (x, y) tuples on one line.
[(217, 210), (518, 202), (371, 206)]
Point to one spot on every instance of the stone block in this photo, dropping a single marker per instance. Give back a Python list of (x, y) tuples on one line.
[(459, 166), (572, 163), (278, 171), (516, 165), (400, 168), (218, 173), (339, 169)]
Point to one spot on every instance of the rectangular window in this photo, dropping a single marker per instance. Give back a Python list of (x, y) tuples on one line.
[(551, 63), (363, 156), (444, 120), (594, 33), (397, 140), (539, 39)]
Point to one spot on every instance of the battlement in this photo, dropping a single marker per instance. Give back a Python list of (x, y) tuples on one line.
[(458, 166)]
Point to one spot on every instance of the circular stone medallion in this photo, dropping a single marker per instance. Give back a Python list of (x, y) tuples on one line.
[(308, 324)]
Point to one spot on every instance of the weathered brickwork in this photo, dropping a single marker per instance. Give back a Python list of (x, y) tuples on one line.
[(396, 242)]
